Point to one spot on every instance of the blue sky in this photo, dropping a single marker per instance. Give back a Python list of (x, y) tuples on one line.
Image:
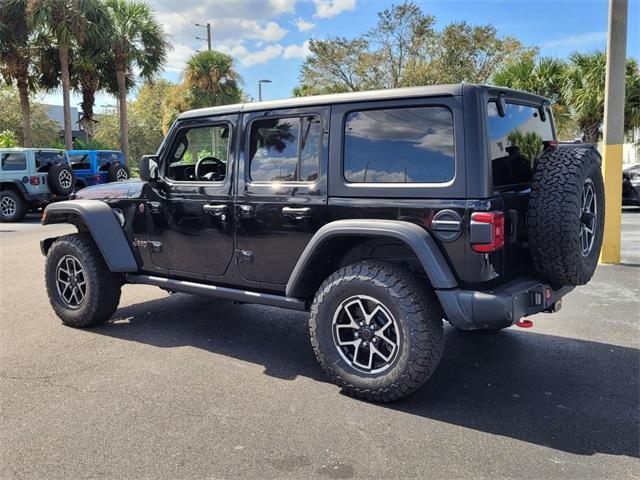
[(267, 37)]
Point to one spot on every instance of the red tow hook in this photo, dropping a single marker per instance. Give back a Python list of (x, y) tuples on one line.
[(524, 324)]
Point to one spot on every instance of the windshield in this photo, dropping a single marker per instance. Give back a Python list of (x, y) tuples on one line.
[(44, 160), (515, 141)]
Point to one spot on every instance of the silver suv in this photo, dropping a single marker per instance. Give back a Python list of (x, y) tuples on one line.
[(31, 178)]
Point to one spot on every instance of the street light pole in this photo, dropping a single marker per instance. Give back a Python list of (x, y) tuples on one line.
[(614, 129), (260, 82)]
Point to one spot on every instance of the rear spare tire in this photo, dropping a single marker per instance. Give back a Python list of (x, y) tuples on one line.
[(566, 214), (61, 179), (118, 172)]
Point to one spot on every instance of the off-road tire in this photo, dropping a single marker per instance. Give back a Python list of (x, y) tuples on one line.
[(15, 200), (418, 315), (555, 214), (103, 286), (54, 179), (118, 172)]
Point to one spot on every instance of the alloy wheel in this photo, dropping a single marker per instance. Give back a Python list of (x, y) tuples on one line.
[(588, 219), (121, 175), (71, 281), (366, 334), (65, 178), (8, 206)]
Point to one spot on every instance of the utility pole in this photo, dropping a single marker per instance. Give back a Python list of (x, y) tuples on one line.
[(208, 27), (614, 129)]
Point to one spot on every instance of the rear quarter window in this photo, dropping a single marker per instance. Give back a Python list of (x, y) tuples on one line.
[(515, 141), (80, 162), (399, 145), (14, 161), (44, 160)]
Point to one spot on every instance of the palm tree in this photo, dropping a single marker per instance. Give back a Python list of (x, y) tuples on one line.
[(210, 77), (544, 76), (68, 22), (137, 41), (632, 97), (584, 91), (15, 52), (91, 68)]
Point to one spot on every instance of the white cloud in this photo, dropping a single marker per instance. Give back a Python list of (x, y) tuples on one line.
[(283, 6), (230, 20), (262, 56), (236, 51), (580, 40), (331, 8), (297, 51), (238, 28), (303, 25), (178, 56)]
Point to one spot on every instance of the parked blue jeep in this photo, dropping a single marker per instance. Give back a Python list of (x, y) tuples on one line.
[(98, 166)]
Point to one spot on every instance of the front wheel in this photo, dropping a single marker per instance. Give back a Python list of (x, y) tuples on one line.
[(82, 290), (376, 330), (12, 207)]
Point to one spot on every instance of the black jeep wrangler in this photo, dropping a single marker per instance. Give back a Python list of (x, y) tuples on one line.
[(381, 213)]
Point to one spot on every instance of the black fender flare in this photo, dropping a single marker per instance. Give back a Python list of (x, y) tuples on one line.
[(414, 236), (17, 184), (103, 226)]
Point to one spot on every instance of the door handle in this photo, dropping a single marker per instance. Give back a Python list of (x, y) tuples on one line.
[(296, 212), (244, 211), (216, 210)]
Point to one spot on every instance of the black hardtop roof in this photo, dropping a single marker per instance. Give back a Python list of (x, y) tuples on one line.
[(370, 95)]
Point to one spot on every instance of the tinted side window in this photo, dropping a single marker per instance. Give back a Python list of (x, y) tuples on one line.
[(44, 160), (285, 149), (14, 162), (107, 157), (200, 154), (400, 145), (80, 162)]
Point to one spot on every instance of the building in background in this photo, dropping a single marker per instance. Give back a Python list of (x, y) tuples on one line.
[(56, 113)]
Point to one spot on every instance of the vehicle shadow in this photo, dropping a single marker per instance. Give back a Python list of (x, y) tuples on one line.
[(573, 395)]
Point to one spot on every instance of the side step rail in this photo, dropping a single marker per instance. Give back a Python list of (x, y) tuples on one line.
[(219, 292)]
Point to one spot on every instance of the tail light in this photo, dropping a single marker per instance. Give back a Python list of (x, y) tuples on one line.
[(34, 180), (487, 231)]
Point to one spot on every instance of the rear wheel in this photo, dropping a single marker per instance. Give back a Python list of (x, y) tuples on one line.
[(82, 290), (376, 330), (13, 208)]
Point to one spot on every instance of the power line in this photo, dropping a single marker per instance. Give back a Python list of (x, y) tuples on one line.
[(176, 11)]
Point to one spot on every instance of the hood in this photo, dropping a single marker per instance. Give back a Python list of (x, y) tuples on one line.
[(126, 189)]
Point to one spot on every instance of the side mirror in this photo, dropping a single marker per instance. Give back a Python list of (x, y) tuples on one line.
[(149, 168)]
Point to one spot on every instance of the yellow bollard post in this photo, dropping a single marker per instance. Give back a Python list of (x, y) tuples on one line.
[(612, 176), (614, 129)]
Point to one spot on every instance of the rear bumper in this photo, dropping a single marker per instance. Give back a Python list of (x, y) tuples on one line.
[(38, 199), (500, 307)]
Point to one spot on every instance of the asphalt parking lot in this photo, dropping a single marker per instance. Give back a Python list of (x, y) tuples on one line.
[(186, 387)]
